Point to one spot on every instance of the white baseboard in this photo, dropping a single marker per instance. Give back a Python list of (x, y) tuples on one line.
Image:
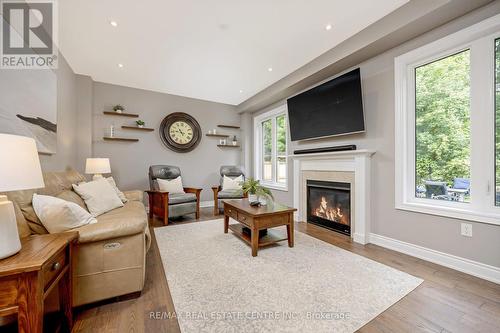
[(483, 271), (204, 204)]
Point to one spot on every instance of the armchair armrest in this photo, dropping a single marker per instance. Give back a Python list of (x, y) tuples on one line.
[(216, 190), (153, 194), (196, 191)]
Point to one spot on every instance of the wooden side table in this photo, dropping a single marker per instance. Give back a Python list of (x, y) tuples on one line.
[(26, 278)]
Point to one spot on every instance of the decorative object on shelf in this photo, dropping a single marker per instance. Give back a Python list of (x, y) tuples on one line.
[(20, 170), (111, 131), (235, 141), (118, 108), (180, 132), (209, 132), (140, 123), (257, 194), (222, 142), (97, 166)]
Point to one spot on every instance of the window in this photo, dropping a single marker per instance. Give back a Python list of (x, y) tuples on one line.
[(442, 107), (270, 133), (448, 125)]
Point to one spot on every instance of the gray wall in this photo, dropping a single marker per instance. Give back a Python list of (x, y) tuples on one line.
[(438, 233), (130, 161)]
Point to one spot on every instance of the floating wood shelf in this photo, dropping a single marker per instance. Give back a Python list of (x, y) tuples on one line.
[(123, 114), (119, 139), (229, 146), (145, 129), (229, 126), (218, 135)]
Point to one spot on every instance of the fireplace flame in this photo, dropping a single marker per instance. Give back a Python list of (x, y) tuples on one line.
[(335, 214)]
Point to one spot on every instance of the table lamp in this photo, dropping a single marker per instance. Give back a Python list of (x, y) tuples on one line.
[(19, 170), (97, 166)]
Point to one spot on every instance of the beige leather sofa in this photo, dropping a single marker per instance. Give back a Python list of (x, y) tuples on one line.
[(111, 255)]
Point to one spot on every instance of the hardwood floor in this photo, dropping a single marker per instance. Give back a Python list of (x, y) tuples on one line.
[(447, 301)]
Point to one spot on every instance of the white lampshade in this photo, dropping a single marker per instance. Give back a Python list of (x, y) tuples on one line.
[(19, 164), (97, 166)]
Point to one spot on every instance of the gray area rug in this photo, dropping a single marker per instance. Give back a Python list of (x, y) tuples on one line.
[(217, 286)]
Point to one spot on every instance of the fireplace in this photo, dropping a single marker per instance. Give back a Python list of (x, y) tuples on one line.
[(329, 205)]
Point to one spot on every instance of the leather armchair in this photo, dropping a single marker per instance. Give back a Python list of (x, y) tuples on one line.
[(231, 171), (167, 205)]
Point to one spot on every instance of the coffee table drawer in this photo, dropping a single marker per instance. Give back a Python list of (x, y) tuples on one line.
[(232, 213), (245, 219), (273, 221)]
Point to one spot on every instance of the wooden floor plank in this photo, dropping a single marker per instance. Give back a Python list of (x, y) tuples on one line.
[(447, 301)]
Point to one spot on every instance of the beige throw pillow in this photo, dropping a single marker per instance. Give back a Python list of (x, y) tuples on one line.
[(120, 194), (171, 186), (58, 215), (99, 196), (232, 184)]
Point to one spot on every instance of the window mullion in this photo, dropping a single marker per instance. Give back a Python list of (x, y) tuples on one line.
[(274, 149), (482, 124)]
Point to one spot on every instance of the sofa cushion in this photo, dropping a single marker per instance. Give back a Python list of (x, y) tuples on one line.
[(127, 220), (55, 184), (120, 194), (58, 215), (72, 196), (99, 196), (178, 198), (230, 194)]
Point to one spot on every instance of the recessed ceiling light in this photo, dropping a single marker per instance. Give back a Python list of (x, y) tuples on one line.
[(113, 23), (241, 91), (120, 65), (328, 27), (270, 69)]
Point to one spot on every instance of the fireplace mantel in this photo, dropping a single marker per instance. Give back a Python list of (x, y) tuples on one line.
[(357, 162)]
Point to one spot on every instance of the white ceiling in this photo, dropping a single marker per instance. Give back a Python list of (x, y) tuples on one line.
[(205, 49)]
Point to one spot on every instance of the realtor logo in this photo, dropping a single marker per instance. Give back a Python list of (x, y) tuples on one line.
[(28, 34)]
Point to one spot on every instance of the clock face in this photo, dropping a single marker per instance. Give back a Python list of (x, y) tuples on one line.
[(181, 132)]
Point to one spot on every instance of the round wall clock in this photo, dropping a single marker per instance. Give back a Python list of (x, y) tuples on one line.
[(180, 132)]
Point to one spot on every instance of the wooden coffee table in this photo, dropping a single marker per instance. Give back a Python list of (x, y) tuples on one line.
[(257, 220)]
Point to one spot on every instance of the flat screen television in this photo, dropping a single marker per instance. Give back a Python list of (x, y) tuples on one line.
[(332, 108)]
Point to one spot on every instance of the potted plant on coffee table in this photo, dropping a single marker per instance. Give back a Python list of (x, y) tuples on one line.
[(257, 194)]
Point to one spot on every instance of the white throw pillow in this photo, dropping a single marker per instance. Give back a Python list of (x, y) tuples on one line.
[(171, 186), (99, 196), (232, 183), (120, 194), (58, 215)]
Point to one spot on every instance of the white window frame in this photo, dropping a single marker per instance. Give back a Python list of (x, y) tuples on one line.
[(479, 38), (258, 151)]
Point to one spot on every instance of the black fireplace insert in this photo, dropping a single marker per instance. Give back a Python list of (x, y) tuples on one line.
[(329, 205)]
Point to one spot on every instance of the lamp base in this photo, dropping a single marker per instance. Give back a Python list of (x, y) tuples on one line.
[(97, 176), (9, 236)]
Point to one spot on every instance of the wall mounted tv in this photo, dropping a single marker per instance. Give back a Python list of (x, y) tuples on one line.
[(332, 108)]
